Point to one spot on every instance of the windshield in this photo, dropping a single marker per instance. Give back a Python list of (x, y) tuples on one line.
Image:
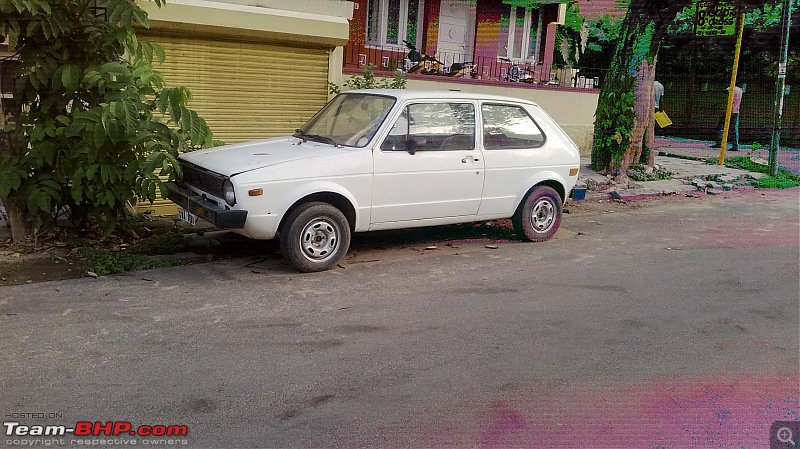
[(350, 119)]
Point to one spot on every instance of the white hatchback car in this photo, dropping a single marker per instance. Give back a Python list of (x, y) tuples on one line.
[(385, 159)]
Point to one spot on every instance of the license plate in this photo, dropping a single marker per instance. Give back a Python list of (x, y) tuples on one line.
[(187, 216)]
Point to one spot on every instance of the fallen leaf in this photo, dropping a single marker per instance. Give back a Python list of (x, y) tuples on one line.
[(432, 247), (92, 274), (492, 246)]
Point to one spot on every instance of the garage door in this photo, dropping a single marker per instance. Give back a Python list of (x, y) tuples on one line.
[(244, 91), (247, 91)]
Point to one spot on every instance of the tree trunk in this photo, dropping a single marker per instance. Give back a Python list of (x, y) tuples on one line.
[(624, 117), (21, 228)]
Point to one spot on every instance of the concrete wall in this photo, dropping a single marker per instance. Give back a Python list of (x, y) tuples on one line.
[(572, 109), (325, 28), (337, 8)]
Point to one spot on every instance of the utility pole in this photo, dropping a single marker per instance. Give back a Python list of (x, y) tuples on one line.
[(780, 88), (732, 87)]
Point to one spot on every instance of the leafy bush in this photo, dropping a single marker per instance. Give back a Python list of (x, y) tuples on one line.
[(98, 125), (369, 81)]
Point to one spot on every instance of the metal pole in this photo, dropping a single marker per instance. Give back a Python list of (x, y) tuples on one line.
[(726, 128), (780, 88)]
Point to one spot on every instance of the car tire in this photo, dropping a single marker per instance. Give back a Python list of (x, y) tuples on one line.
[(315, 237), (539, 215)]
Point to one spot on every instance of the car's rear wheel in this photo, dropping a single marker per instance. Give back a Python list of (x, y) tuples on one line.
[(539, 216), (315, 237)]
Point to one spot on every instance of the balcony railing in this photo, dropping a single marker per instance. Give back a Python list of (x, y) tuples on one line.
[(454, 66)]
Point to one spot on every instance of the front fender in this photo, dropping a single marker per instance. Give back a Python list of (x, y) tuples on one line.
[(358, 200)]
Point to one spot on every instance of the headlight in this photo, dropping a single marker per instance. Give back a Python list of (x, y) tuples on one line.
[(228, 193)]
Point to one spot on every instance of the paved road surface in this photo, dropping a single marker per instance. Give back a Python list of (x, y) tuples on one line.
[(670, 325)]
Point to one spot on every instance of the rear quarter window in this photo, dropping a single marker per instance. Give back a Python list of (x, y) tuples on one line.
[(507, 127)]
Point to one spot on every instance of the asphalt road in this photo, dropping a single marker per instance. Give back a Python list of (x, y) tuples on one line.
[(675, 324)]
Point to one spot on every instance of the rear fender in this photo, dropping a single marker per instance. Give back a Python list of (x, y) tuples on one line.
[(549, 178)]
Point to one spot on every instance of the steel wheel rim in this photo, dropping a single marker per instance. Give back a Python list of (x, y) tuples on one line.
[(543, 215), (319, 239)]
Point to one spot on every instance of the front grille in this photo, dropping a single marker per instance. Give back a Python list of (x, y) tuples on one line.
[(202, 179)]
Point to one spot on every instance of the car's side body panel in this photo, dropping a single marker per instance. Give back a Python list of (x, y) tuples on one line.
[(347, 173)]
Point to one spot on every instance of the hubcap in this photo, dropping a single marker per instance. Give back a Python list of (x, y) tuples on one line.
[(543, 215), (319, 239)]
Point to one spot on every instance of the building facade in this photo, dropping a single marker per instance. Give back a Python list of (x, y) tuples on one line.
[(498, 39)]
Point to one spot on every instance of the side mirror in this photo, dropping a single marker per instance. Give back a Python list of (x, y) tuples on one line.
[(411, 146)]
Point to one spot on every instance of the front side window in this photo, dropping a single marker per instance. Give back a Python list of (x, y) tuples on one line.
[(433, 127), (349, 119), (390, 22), (509, 127)]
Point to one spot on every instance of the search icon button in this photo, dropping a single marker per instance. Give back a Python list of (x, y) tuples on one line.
[(784, 434)]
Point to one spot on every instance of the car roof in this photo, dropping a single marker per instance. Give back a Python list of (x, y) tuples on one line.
[(419, 94)]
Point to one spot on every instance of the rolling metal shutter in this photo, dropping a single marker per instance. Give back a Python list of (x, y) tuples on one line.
[(247, 91), (244, 91)]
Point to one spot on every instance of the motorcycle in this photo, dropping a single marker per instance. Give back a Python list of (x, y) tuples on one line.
[(516, 73), (429, 65)]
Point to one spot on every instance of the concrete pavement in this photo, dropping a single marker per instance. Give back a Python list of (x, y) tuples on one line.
[(686, 159)]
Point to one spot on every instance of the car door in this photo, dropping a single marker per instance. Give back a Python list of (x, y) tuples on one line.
[(428, 166), (514, 151)]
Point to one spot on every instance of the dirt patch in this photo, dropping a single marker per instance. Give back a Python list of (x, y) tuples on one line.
[(46, 265)]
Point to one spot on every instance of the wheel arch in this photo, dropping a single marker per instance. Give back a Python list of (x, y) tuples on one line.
[(336, 200), (552, 182)]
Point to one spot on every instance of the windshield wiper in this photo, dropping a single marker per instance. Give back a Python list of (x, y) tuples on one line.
[(299, 133)]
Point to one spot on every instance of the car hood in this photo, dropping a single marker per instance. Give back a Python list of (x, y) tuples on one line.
[(238, 158)]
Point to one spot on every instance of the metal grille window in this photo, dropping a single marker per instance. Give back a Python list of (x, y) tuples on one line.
[(390, 22)]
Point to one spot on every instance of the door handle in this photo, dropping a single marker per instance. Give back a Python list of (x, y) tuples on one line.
[(474, 159)]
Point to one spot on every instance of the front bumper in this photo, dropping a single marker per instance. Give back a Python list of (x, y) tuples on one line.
[(210, 212)]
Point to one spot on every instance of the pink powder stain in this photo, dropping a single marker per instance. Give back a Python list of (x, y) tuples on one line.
[(732, 234), (744, 231), (712, 412)]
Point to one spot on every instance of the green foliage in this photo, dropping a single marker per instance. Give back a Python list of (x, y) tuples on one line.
[(99, 124), (784, 179), (572, 33), (745, 163), (103, 262), (162, 244), (644, 173), (613, 125), (369, 81), (603, 32)]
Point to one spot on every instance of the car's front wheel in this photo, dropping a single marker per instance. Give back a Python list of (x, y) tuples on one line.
[(539, 215), (315, 237)]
